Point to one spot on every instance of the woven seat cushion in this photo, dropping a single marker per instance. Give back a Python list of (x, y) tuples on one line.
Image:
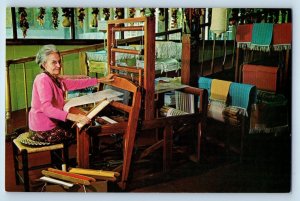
[(23, 142)]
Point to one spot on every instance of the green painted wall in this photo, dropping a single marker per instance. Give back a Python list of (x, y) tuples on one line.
[(70, 67)]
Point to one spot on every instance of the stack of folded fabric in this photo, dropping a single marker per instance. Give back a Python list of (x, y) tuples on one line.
[(232, 115), (167, 111)]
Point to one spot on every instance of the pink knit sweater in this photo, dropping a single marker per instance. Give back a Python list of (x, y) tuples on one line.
[(48, 100)]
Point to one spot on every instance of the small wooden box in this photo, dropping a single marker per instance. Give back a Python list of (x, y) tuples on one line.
[(263, 77)]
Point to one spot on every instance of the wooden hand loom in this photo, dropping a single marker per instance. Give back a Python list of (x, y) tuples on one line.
[(144, 79)]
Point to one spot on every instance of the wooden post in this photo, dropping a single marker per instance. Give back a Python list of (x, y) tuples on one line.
[(83, 148), (186, 59), (212, 67), (286, 73), (236, 78), (26, 93), (7, 94), (149, 69)]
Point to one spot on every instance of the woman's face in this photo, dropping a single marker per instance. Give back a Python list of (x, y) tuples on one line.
[(53, 64)]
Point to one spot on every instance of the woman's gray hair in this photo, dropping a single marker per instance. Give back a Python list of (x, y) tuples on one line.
[(43, 53)]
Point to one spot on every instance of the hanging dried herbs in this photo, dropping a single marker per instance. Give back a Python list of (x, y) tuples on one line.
[(94, 22), (142, 11), (119, 13), (106, 13), (67, 14), (80, 16), (95, 11), (24, 25), (174, 18), (161, 16), (55, 17), (132, 12), (152, 12), (41, 16)]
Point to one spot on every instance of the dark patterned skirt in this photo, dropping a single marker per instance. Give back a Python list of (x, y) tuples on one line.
[(53, 136)]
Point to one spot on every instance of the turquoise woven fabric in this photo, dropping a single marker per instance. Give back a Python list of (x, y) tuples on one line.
[(242, 95), (205, 83), (262, 34)]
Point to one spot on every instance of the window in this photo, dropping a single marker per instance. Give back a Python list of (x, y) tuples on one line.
[(9, 25)]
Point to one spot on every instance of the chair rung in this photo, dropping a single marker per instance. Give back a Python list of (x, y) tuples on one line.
[(121, 50)]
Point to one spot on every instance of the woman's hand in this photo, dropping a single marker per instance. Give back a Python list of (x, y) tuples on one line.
[(108, 78), (79, 118)]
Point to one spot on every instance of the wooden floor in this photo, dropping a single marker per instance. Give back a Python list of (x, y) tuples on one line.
[(265, 168)]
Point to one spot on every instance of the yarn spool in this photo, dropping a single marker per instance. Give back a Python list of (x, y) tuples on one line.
[(219, 21)]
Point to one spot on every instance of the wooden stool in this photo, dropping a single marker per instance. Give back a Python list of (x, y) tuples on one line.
[(20, 149)]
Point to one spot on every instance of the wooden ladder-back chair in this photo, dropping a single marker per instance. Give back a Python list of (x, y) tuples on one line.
[(126, 128)]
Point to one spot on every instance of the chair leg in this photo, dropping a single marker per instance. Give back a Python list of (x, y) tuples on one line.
[(59, 157), (127, 155), (227, 141), (55, 160), (199, 141), (66, 155), (24, 154), (16, 163), (243, 130), (167, 148)]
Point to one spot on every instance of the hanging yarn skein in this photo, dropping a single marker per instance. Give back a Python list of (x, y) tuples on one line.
[(218, 21)]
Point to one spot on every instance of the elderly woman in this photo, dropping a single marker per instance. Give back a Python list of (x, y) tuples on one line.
[(48, 98)]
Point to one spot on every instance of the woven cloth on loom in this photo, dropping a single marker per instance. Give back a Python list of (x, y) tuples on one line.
[(102, 54), (162, 65), (219, 90), (242, 95), (97, 56), (261, 36), (168, 49), (244, 35), (282, 36), (98, 67)]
